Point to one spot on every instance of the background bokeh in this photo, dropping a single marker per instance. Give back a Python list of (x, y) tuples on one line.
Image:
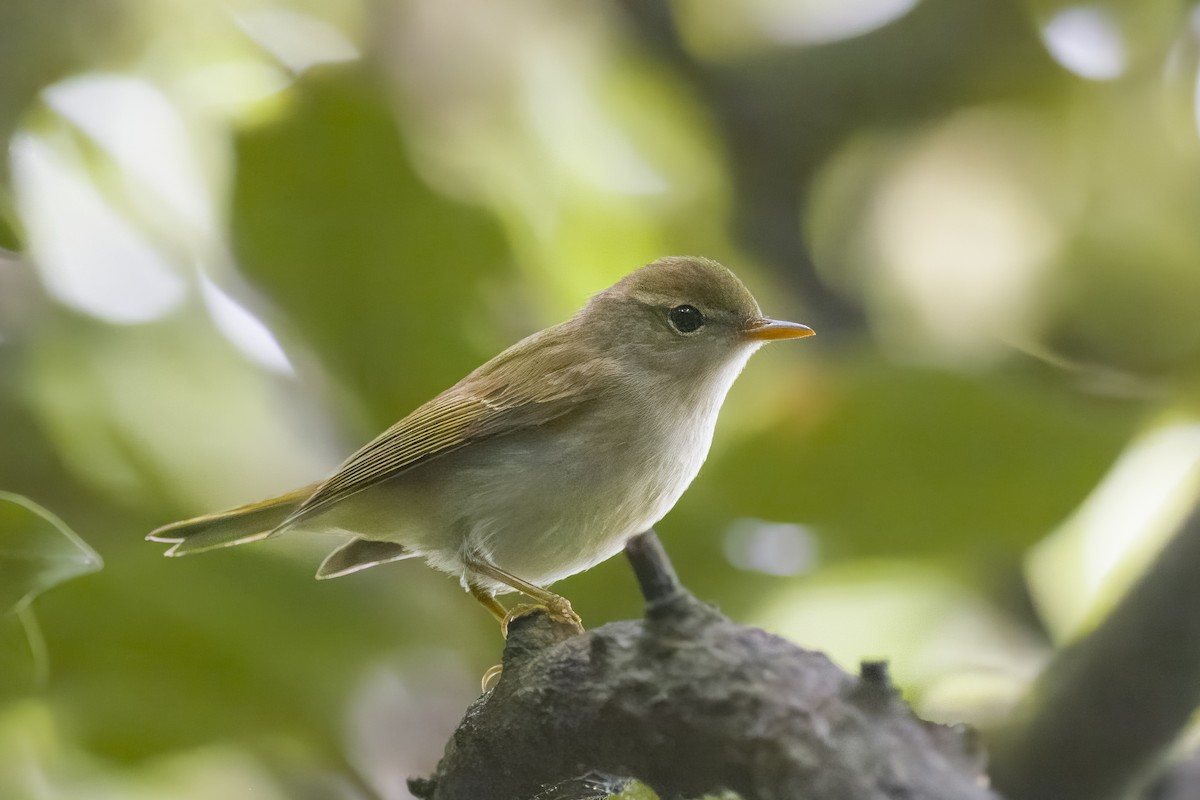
[(247, 235)]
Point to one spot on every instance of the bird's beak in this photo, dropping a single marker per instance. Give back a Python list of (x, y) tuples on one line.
[(766, 330)]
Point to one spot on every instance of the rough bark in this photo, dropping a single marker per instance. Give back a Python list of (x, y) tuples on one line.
[(689, 702)]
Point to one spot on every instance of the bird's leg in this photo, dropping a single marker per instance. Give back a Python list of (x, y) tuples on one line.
[(557, 605), (488, 601)]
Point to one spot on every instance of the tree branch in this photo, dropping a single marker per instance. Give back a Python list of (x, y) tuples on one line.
[(1109, 705), (689, 702), (1180, 782)]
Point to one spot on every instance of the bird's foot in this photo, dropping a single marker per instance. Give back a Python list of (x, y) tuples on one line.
[(559, 611)]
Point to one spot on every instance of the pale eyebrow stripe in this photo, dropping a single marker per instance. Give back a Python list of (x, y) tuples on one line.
[(656, 300)]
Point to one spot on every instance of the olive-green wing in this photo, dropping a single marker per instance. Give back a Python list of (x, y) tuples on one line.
[(481, 407)]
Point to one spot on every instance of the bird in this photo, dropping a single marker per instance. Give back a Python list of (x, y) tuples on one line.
[(545, 460)]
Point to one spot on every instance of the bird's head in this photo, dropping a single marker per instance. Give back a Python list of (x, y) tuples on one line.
[(682, 315)]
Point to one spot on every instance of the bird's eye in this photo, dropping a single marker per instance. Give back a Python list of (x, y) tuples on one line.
[(686, 319)]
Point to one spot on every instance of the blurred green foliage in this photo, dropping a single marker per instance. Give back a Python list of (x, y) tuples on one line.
[(249, 239), (327, 192)]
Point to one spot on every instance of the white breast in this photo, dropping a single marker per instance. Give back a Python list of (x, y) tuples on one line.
[(547, 502), (579, 506)]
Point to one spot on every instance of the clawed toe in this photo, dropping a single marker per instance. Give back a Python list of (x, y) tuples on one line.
[(565, 614), (558, 612), (491, 676)]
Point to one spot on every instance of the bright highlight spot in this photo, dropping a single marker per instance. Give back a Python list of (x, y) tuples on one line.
[(90, 257), (1097, 553), (234, 85), (1086, 41), (928, 626), (243, 329), (814, 21), (776, 548), (581, 134), (297, 40), (963, 236), (1134, 493), (138, 127)]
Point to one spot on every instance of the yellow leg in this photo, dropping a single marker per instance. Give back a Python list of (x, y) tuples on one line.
[(488, 601), (557, 605)]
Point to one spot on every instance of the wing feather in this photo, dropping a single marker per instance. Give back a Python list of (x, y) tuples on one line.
[(506, 394)]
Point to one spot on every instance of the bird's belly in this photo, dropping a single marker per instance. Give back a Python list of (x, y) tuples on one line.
[(577, 531), (543, 513), (541, 504)]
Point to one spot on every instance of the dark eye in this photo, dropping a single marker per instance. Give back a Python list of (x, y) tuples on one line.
[(686, 319)]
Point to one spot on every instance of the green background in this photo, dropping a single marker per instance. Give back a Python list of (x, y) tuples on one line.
[(246, 238)]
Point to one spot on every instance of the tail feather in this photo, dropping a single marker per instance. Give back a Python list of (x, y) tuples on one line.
[(248, 523), (358, 554)]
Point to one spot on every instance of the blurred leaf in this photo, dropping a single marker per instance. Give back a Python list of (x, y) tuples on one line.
[(38, 761), (918, 461), (388, 279), (37, 551), (156, 654), (39, 43), (383, 277)]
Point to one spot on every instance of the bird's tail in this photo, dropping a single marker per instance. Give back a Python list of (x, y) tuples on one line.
[(240, 525)]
